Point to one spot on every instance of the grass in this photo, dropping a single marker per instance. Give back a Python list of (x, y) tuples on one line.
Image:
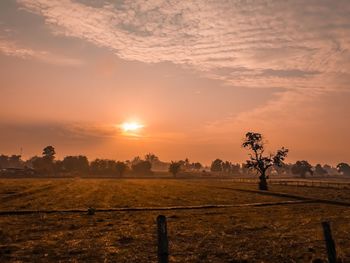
[(286, 233)]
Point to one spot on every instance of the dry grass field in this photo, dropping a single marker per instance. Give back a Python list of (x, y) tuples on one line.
[(280, 233)]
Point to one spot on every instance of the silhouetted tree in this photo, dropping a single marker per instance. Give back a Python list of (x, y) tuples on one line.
[(142, 167), (98, 166), (49, 153), (235, 169), (15, 161), (136, 160), (4, 161), (284, 169), (152, 158), (226, 167), (111, 166), (121, 168), (46, 163), (216, 165), (187, 164), (319, 170), (75, 164), (175, 168), (58, 166), (103, 166), (254, 142), (182, 164), (197, 166), (302, 168), (245, 170), (344, 169), (330, 170), (40, 164)]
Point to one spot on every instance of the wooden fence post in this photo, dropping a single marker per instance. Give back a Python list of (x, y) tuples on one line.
[(163, 251), (331, 252)]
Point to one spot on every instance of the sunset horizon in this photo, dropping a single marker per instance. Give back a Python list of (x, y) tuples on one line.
[(161, 131), (196, 76)]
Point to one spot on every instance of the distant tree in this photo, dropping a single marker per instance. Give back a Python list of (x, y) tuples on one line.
[(197, 166), (29, 162), (235, 169), (330, 169), (111, 166), (46, 163), (226, 167), (216, 165), (49, 153), (142, 167), (121, 168), (136, 160), (96, 166), (75, 164), (14, 161), (183, 164), (4, 161), (175, 168), (254, 142), (187, 164), (40, 165), (319, 170), (327, 167), (103, 166), (302, 168), (344, 169), (284, 169), (58, 166), (152, 158), (245, 170)]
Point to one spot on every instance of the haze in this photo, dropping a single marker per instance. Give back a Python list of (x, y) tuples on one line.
[(194, 75)]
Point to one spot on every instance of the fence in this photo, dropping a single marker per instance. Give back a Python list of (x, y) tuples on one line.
[(163, 243), (295, 182)]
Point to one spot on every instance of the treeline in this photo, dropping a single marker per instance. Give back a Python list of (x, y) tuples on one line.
[(79, 164), (302, 169), (48, 164)]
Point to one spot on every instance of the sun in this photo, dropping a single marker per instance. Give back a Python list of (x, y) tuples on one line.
[(131, 126)]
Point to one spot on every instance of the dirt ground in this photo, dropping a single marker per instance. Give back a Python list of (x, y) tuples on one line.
[(281, 233)]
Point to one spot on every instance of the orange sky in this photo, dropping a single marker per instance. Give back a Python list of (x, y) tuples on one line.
[(196, 74)]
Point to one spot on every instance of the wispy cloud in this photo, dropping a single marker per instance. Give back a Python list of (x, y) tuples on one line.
[(12, 48)]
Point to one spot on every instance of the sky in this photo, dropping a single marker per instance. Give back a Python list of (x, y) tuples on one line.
[(197, 75)]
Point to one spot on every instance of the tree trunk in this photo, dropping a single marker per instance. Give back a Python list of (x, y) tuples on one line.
[(263, 182)]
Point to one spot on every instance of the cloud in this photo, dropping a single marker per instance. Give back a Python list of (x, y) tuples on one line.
[(262, 36), (12, 48), (68, 131), (294, 73)]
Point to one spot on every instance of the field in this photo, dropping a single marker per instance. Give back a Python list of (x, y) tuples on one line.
[(273, 233)]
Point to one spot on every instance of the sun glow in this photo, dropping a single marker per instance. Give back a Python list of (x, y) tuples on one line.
[(131, 126)]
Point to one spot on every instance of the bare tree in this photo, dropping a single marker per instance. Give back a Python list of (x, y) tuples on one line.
[(254, 142)]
